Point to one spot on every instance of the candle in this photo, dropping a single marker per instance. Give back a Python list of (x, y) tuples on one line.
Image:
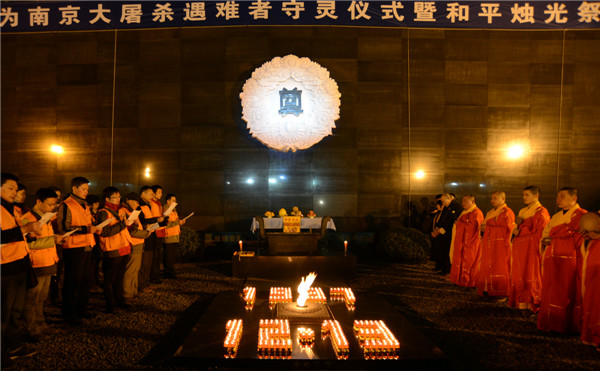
[(345, 247), (240, 245), (376, 339)]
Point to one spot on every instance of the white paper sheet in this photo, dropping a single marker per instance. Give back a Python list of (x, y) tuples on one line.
[(170, 209), (69, 233), (105, 223), (133, 217), (46, 218), (152, 227), (192, 213)]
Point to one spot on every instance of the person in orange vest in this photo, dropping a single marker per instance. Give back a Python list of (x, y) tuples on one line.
[(157, 211), (148, 219), (171, 239), (115, 243), (44, 260), (74, 216), (20, 207), (15, 265), (94, 274), (138, 234), (55, 282)]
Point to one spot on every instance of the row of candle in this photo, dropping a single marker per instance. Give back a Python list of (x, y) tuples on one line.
[(306, 336), (274, 338), (234, 329), (376, 339), (280, 295), (339, 342), (316, 295), (345, 294), (249, 296)]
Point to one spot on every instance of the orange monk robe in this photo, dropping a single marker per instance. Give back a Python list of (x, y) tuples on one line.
[(590, 329), (464, 250), (559, 273), (526, 277), (494, 271)]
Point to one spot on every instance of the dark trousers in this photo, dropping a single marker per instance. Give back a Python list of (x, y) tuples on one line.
[(76, 288), (94, 273), (14, 288), (156, 258), (114, 270), (145, 267), (169, 254)]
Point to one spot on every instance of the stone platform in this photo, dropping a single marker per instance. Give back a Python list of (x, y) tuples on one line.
[(204, 345), (293, 267)]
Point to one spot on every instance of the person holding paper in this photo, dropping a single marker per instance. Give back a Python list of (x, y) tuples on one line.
[(157, 212), (131, 206), (148, 218), (94, 276), (74, 214), (115, 242), (171, 239), (44, 261), (20, 207), (15, 266)]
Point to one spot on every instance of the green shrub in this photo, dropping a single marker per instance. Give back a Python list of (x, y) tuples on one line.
[(191, 246), (404, 245)]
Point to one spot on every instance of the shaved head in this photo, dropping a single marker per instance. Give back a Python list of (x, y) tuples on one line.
[(589, 225)]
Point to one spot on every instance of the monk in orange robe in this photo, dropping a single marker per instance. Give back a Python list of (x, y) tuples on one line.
[(494, 271), (560, 240), (590, 250), (526, 277), (464, 250)]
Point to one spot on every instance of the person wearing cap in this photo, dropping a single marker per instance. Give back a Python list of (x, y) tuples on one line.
[(138, 234)]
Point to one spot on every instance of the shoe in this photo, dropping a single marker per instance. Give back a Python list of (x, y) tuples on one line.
[(96, 290), (501, 300), (130, 301), (22, 351)]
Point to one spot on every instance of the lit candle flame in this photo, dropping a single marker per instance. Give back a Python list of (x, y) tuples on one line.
[(303, 288)]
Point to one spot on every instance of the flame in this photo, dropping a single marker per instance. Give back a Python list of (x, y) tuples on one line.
[(303, 288)]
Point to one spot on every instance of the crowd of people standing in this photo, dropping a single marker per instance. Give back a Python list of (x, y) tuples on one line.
[(549, 267), (56, 248)]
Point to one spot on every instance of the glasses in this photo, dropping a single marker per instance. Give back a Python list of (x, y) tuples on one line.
[(114, 198)]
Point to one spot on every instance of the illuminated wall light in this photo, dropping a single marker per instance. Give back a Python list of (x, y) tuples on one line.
[(321, 202), (515, 151), (147, 172), (482, 185), (272, 180), (282, 177), (228, 182), (314, 182), (420, 174), (250, 181), (56, 149), (454, 184)]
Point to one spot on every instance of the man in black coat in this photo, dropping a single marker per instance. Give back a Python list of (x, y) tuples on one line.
[(442, 234)]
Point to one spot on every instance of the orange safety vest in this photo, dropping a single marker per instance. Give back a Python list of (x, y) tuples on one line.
[(173, 231), (147, 213), (157, 212), (80, 217), (12, 251), (119, 240), (42, 257), (134, 241)]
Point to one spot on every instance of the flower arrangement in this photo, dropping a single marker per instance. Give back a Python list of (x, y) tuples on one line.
[(269, 214), (311, 214), (282, 212), (296, 211)]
